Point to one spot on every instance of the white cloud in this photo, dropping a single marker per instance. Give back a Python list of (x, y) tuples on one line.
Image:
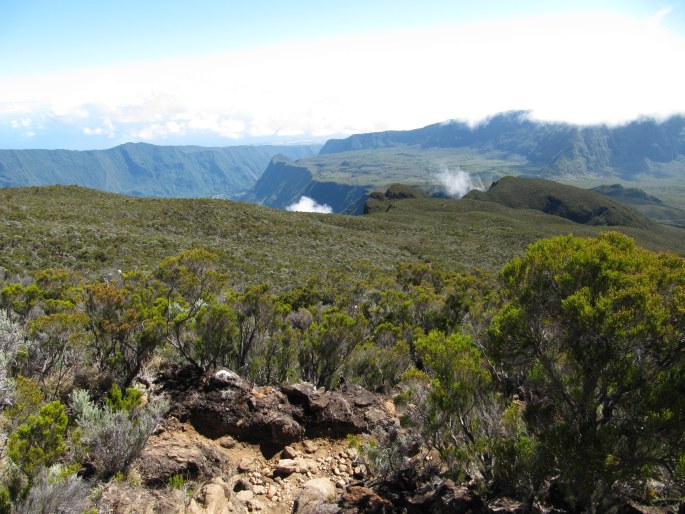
[(457, 183), (655, 20), (585, 69), (21, 123), (106, 128), (306, 204), (227, 128)]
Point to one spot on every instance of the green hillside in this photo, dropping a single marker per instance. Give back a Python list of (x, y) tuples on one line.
[(100, 233), (371, 312), (579, 205), (147, 170), (649, 205)]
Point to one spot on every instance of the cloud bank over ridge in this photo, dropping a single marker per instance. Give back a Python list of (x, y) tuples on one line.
[(582, 69)]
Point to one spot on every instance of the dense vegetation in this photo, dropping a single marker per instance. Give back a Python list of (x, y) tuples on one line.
[(575, 204), (580, 341), (98, 234), (564, 371)]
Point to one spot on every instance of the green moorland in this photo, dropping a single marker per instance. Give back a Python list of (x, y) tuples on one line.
[(669, 187), (376, 169), (411, 165), (99, 233), (559, 381)]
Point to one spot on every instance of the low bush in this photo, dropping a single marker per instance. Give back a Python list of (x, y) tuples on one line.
[(112, 439), (53, 493)]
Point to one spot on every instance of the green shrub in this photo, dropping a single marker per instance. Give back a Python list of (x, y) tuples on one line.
[(593, 330), (127, 402), (39, 442), (5, 504), (27, 400), (176, 482)]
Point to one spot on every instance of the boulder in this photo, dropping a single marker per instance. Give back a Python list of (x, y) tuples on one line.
[(191, 458), (213, 498), (227, 405), (351, 410), (314, 494)]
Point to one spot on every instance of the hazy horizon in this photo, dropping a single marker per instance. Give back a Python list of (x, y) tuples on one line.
[(92, 76)]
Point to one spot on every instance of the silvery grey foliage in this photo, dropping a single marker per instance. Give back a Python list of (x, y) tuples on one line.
[(11, 336), (53, 494), (113, 439)]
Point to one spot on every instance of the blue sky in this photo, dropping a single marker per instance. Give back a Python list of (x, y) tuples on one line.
[(84, 74)]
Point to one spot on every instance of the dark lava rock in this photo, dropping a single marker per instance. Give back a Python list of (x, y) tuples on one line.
[(221, 403)]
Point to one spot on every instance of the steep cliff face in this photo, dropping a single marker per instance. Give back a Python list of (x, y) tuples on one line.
[(282, 181), (285, 182)]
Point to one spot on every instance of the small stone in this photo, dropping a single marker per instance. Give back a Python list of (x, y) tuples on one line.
[(266, 472), (259, 490), (297, 465), (227, 442), (340, 484), (336, 471), (247, 465), (244, 496), (390, 407), (289, 452), (242, 484), (310, 446), (255, 505)]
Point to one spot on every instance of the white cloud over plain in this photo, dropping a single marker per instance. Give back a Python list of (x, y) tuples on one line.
[(593, 68), (306, 204)]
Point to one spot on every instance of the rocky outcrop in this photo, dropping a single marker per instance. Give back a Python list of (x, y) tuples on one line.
[(351, 410), (174, 450), (223, 404)]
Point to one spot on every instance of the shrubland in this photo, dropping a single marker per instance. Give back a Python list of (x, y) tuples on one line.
[(563, 372), (99, 234), (555, 370)]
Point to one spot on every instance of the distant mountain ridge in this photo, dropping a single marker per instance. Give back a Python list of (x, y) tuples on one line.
[(147, 170), (555, 148)]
